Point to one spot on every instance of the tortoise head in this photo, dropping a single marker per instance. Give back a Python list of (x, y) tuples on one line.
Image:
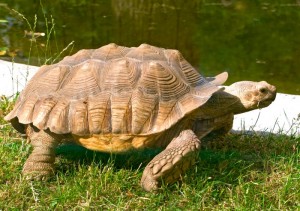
[(251, 95)]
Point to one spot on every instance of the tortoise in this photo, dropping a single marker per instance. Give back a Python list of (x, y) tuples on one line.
[(115, 99)]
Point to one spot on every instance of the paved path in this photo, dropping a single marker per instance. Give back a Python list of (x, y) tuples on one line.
[(282, 116), (13, 77)]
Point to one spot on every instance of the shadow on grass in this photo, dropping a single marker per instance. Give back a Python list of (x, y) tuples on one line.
[(221, 159), (236, 156), (129, 160)]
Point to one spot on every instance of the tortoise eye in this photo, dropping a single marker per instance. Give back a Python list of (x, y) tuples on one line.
[(263, 90)]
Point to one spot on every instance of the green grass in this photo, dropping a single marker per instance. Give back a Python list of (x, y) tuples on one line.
[(239, 172)]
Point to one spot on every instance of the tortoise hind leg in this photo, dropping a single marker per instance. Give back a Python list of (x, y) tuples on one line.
[(168, 166), (40, 163)]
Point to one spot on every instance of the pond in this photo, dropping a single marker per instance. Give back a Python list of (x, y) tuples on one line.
[(251, 39)]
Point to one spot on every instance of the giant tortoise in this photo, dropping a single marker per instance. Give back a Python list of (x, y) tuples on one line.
[(115, 99)]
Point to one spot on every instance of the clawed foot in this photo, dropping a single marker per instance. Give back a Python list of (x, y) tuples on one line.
[(37, 176), (168, 166), (38, 171)]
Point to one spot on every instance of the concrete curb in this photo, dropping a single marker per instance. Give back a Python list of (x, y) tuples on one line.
[(281, 117), (14, 76)]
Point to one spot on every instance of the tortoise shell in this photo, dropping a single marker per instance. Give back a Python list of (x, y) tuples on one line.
[(112, 90)]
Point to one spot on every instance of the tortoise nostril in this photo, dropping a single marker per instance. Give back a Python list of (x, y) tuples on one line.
[(273, 88)]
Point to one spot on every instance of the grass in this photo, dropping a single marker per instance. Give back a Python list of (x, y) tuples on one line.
[(239, 172)]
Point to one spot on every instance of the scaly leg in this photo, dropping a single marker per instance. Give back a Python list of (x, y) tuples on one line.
[(168, 166), (40, 163)]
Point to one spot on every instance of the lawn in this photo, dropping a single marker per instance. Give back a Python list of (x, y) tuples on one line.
[(237, 172)]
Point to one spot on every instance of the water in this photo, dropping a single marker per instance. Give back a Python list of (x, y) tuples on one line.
[(251, 39)]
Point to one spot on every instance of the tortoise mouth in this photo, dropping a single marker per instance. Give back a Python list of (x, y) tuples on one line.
[(265, 103)]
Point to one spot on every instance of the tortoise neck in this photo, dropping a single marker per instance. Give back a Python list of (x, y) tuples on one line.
[(223, 102), (220, 103)]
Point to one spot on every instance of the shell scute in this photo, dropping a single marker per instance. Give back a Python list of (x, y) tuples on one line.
[(146, 53), (77, 58), (99, 113), (78, 117), (42, 110), (144, 111), (59, 121), (109, 52)]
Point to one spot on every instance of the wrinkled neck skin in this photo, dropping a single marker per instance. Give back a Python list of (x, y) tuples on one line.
[(231, 100), (221, 103)]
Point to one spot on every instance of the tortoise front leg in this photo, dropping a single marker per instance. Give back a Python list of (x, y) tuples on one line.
[(40, 163), (168, 166)]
